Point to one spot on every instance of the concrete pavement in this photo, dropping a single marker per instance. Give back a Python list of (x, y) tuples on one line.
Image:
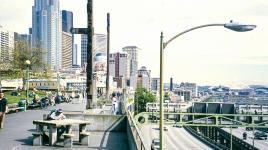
[(18, 128)]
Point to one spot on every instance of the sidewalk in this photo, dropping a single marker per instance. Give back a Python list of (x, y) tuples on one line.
[(18, 128)]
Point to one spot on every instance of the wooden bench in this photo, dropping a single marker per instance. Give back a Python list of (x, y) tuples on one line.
[(68, 140), (37, 138), (84, 138)]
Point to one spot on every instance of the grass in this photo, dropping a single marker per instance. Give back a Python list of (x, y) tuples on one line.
[(15, 99)]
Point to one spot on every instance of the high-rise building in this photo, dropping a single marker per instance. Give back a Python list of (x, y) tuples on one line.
[(25, 38), (47, 31), (133, 56), (6, 44), (99, 46), (67, 21), (144, 78), (155, 84), (67, 48), (119, 68), (189, 87), (75, 55)]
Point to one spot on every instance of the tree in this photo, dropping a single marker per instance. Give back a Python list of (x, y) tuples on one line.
[(14, 68), (142, 97)]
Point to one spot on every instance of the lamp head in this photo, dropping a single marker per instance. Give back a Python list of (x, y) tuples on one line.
[(239, 27), (27, 62)]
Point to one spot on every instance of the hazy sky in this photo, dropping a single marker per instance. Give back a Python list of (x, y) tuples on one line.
[(211, 55)]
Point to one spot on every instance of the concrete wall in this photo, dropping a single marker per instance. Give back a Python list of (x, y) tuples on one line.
[(107, 123)]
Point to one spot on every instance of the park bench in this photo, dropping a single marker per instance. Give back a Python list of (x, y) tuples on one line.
[(84, 138), (68, 140), (14, 108), (37, 138)]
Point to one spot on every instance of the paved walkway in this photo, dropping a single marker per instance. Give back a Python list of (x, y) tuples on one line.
[(18, 128)]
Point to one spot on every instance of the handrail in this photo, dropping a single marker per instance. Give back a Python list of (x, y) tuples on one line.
[(136, 129)]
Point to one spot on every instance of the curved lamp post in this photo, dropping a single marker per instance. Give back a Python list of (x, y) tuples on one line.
[(27, 63), (232, 26)]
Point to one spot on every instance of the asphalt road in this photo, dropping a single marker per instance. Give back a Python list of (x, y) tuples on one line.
[(18, 128), (174, 139), (238, 132)]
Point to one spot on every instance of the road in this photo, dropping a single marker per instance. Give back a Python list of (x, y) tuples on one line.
[(174, 139), (238, 132)]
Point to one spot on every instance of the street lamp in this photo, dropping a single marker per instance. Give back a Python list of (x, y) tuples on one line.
[(231, 25), (27, 63)]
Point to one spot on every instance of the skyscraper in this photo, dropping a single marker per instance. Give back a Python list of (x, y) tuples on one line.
[(133, 56), (67, 39), (6, 44), (67, 21), (67, 48), (47, 31), (119, 68), (99, 46)]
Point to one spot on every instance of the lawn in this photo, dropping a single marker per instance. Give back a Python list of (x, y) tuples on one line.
[(15, 99)]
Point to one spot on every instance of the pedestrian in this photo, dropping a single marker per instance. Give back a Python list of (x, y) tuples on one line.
[(3, 109)]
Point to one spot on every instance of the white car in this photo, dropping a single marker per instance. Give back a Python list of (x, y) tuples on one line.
[(155, 144)]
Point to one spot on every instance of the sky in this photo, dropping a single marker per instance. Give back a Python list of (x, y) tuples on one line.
[(207, 56)]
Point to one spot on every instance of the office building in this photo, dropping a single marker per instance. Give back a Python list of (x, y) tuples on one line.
[(119, 68), (189, 87), (67, 42), (67, 21), (132, 51), (144, 78), (99, 46), (7, 45), (75, 55), (155, 84), (47, 31)]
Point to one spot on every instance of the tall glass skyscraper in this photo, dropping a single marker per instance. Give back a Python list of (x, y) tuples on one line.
[(47, 31), (67, 21)]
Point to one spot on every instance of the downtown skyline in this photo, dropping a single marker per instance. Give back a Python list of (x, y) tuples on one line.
[(207, 56)]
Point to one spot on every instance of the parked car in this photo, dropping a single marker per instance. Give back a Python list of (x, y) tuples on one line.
[(155, 144), (165, 128), (260, 135)]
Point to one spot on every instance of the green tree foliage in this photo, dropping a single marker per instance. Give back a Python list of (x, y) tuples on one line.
[(142, 97), (23, 53)]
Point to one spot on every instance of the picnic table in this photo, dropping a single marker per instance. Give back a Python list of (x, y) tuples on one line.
[(53, 125)]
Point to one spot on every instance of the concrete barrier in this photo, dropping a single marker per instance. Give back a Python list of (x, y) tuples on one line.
[(101, 123)]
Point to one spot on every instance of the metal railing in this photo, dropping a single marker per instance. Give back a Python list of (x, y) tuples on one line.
[(137, 136)]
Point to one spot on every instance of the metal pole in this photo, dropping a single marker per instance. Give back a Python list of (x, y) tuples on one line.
[(108, 56), (231, 141), (27, 87), (253, 137), (58, 79), (161, 91), (89, 54)]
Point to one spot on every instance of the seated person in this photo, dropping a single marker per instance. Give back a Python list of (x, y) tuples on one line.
[(35, 99), (56, 115)]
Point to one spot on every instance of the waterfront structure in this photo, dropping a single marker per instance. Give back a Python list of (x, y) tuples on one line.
[(47, 31), (6, 45), (67, 42)]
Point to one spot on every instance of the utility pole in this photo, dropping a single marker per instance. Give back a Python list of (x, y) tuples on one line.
[(89, 31), (108, 56)]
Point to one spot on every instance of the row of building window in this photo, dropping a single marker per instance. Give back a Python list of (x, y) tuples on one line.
[(42, 84)]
